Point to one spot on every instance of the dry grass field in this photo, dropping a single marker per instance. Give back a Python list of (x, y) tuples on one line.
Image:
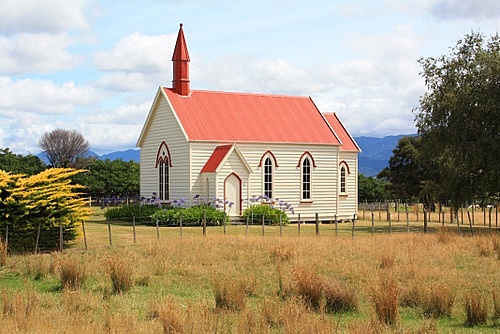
[(439, 282)]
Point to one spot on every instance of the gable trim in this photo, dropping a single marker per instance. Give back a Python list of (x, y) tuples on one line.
[(158, 157), (219, 157)]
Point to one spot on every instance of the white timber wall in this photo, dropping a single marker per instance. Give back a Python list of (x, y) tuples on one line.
[(163, 127), (348, 204), (287, 176)]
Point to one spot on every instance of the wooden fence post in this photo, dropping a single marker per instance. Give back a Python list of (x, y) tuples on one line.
[(157, 230), (425, 222), (133, 228), (299, 224), (180, 223), (407, 219), (38, 236), (353, 221), (336, 226), (373, 223), (204, 222), (224, 222), (7, 236), (246, 227), (317, 223), (263, 218), (281, 225), (390, 222), (60, 236), (109, 232), (84, 235), (470, 223)]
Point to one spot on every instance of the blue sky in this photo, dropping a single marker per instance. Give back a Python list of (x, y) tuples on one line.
[(95, 65)]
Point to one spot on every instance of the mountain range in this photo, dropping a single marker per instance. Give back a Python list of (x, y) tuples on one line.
[(374, 156)]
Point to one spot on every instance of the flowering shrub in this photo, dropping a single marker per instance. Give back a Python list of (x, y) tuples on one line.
[(191, 216), (128, 211), (270, 208)]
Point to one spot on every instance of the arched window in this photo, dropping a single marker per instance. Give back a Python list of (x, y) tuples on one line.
[(306, 179), (268, 178), (163, 163), (342, 180)]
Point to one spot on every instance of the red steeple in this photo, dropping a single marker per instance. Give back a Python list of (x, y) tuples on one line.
[(180, 58)]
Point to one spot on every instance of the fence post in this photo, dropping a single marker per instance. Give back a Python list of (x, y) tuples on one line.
[(180, 223), (407, 219), (281, 225), (38, 236), (246, 227), (336, 226), (224, 222), (204, 222), (84, 235), (133, 228), (425, 222), (458, 221), (317, 224), (470, 223), (157, 229), (390, 222), (109, 232), (60, 236), (263, 218), (7, 236), (299, 224), (353, 221), (373, 224)]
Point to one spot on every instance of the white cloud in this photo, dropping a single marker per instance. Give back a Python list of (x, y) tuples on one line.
[(137, 53), (43, 97), (47, 16), (43, 53), (466, 9)]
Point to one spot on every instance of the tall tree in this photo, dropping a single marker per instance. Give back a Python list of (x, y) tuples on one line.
[(65, 148), (459, 118), (372, 189)]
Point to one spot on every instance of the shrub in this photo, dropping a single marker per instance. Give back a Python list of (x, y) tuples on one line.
[(229, 294), (71, 273), (309, 287), (191, 216), (437, 301), (271, 215), (120, 273), (385, 299), (131, 210), (476, 310)]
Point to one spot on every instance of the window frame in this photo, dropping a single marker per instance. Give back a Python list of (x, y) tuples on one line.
[(306, 179), (268, 177)]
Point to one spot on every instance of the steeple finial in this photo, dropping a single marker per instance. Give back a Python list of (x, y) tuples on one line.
[(180, 58)]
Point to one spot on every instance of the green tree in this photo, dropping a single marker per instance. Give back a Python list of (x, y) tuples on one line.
[(372, 189), (105, 178), (19, 164), (459, 118)]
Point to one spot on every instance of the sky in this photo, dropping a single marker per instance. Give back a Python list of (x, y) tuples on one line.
[(95, 65)]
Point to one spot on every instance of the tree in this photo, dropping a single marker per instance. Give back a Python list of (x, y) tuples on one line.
[(65, 148), (19, 164), (459, 118), (371, 189), (40, 202), (110, 178)]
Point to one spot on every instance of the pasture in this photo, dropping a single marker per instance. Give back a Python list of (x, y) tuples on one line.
[(244, 282)]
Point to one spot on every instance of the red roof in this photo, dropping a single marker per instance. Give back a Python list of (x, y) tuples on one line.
[(242, 117), (348, 143), (216, 158)]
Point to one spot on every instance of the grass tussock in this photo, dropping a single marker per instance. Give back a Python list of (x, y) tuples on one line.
[(229, 294), (476, 310), (19, 307), (437, 301), (171, 317), (384, 297), (496, 307), (120, 273), (71, 273), (3, 253), (483, 246), (320, 293)]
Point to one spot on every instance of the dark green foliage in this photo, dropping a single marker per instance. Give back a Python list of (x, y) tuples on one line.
[(459, 118), (19, 164), (372, 189), (191, 216), (271, 215), (129, 211), (106, 178)]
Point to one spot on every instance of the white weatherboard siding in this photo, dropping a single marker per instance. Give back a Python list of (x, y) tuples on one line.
[(287, 176), (348, 203), (164, 127)]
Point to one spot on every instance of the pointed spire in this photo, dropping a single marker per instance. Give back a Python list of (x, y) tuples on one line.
[(180, 58)]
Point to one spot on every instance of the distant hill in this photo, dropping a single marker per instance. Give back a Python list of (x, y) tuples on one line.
[(374, 156)]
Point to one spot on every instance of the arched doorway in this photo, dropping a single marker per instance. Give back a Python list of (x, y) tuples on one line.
[(232, 193)]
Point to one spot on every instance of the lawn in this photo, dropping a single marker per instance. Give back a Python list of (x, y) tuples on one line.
[(247, 282)]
